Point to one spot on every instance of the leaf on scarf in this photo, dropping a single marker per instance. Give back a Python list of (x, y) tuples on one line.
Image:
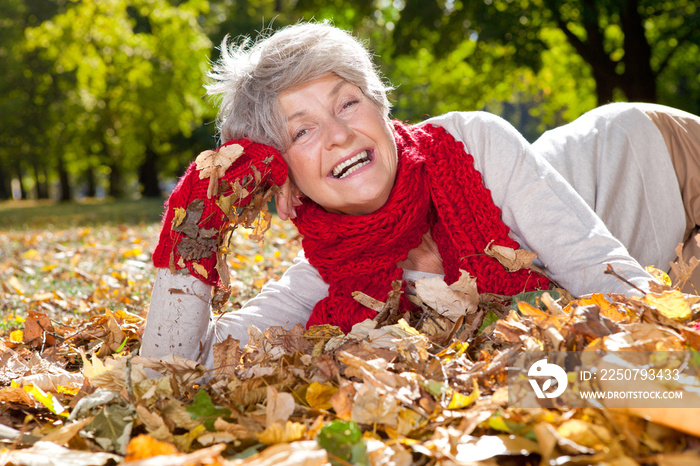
[(178, 217), (200, 269), (213, 164), (188, 225), (512, 259), (451, 301), (367, 301)]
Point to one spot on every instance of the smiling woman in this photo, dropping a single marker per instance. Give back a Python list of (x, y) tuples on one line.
[(306, 115)]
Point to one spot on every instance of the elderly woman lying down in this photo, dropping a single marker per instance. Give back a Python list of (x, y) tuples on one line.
[(378, 200)]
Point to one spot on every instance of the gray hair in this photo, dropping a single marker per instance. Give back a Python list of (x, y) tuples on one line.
[(249, 77)]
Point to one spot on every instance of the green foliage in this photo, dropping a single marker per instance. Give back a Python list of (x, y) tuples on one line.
[(343, 441), (204, 410), (109, 92)]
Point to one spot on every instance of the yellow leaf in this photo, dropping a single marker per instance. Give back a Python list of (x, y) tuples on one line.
[(94, 368), (319, 395), (200, 270), (46, 399), (460, 401), (607, 309), (178, 216), (278, 433), (671, 304), (17, 336), (659, 275), (585, 434), (32, 254), (15, 285)]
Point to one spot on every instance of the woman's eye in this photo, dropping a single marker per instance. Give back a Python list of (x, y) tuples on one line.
[(298, 134), (350, 103)]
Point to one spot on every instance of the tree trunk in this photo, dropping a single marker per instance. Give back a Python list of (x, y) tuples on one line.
[(20, 178), (148, 175), (5, 185), (639, 80), (604, 87), (91, 180), (66, 191), (42, 188), (116, 188)]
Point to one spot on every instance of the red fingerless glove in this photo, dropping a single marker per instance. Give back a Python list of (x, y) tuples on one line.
[(195, 216)]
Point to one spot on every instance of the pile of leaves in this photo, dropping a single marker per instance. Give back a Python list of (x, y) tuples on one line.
[(402, 389)]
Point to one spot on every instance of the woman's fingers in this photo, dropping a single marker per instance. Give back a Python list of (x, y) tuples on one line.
[(286, 200)]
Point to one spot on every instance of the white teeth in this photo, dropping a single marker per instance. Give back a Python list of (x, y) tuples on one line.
[(339, 170)]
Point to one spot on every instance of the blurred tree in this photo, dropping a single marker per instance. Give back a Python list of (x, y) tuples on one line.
[(633, 46), (24, 95), (131, 73)]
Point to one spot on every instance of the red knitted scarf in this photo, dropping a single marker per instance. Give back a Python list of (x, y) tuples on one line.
[(437, 188)]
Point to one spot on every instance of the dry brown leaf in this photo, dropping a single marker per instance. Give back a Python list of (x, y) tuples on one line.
[(375, 406), (343, 400), (282, 433), (451, 301), (213, 164), (280, 405), (16, 395), (227, 356), (302, 453), (512, 259), (682, 269)]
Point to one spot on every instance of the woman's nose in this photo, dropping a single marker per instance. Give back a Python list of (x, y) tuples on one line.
[(338, 133)]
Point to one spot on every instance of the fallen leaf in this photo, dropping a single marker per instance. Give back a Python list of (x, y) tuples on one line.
[(319, 395), (671, 304), (512, 259), (280, 405), (51, 454), (282, 433), (451, 301), (144, 446)]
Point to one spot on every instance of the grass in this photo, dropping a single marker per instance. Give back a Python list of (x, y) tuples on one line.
[(25, 215), (75, 260)]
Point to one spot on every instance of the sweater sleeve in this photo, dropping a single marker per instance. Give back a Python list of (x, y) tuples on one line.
[(544, 212), (180, 320)]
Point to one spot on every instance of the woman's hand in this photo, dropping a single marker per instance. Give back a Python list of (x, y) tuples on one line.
[(287, 199)]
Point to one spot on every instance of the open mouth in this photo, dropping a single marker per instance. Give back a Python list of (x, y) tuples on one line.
[(352, 164)]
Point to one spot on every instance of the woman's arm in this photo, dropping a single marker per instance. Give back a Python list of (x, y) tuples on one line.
[(180, 319), (543, 211)]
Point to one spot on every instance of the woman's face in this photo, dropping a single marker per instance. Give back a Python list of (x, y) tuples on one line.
[(343, 154)]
